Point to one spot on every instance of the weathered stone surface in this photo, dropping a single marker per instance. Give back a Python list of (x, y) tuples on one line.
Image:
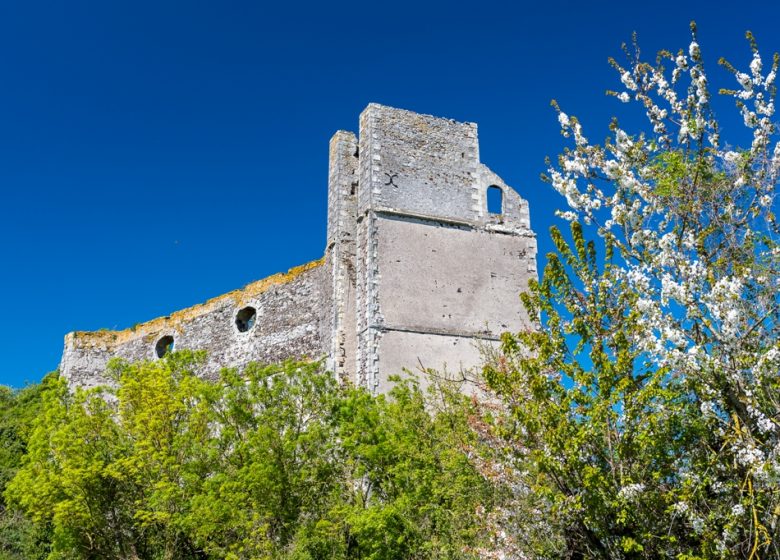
[(416, 270), (424, 232), (288, 308)]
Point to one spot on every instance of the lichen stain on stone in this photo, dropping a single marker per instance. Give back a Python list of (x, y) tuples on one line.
[(150, 330)]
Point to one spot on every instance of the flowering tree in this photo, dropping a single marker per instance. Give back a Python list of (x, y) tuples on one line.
[(646, 407)]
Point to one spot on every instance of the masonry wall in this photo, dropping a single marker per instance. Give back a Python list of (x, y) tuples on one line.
[(340, 334), (289, 308), (437, 274), (416, 272)]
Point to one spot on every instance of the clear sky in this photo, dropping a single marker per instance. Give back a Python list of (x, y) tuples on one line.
[(156, 154)]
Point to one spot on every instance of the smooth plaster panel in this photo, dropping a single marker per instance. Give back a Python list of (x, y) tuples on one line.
[(440, 277)]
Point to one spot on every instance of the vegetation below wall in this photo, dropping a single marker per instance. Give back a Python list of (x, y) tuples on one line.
[(281, 462)]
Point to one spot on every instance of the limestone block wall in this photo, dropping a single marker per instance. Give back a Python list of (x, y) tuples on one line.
[(438, 274), (449, 279), (340, 254), (445, 289), (287, 324), (417, 269), (418, 164)]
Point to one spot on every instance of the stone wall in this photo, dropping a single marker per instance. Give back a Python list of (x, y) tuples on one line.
[(416, 270), (437, 274), (340, 253), (287, 322)]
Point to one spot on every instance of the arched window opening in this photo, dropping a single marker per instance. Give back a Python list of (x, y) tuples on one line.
[(245, 319), (495, 200), (164, 346)]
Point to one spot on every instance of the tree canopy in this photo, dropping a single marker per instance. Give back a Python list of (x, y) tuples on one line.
[(646, 404), (278, 462)]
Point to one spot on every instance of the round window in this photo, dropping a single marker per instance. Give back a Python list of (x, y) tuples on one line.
[(245, 319), (164, 346)]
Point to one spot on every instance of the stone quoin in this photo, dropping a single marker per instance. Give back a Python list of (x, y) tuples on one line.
[(427, 251)]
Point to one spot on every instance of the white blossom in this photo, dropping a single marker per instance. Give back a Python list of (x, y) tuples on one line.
[(699, 256), (631, 491)]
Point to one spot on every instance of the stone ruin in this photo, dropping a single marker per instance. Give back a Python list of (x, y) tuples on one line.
[(427, 251)]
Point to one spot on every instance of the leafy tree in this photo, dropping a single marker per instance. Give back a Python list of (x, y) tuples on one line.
[(87, 457), (420, 491), (275, 462), (19, 537), (164, 426), (645, 406)]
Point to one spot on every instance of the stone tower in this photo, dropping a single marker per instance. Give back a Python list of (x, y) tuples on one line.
[(417, 268)]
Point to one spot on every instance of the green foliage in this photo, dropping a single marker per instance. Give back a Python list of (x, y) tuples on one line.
[(418, 485), (19, 536), (276, 462), (17, 408), (603, 430), (643, 407)]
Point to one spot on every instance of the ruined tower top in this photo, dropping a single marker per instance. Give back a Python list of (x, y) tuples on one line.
[(429, 166)]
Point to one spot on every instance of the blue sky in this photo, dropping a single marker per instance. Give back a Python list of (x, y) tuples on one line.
[(156, 154)]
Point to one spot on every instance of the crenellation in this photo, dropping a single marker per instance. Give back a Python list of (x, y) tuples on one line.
[(417, 269)]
